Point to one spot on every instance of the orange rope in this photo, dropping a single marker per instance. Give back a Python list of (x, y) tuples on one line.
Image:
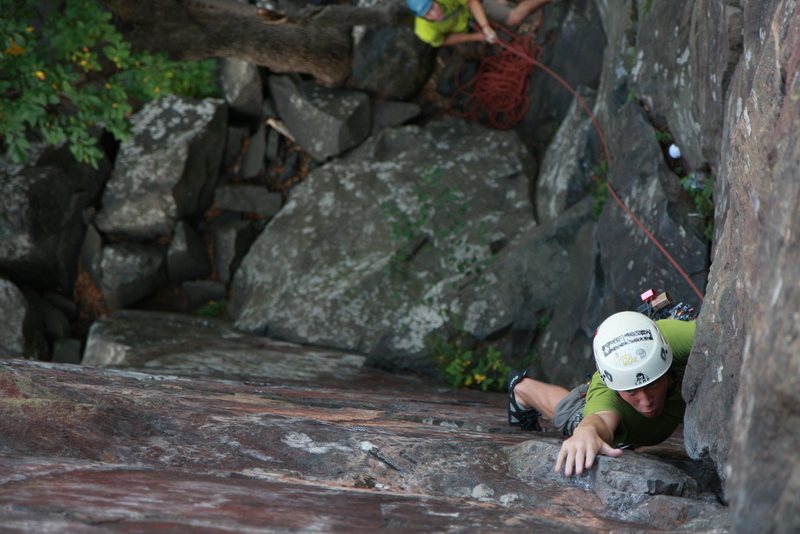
[(498, 94), (530, 54)]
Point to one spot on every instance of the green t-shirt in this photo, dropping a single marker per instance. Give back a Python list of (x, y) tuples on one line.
[(456, 20), (636, 429)]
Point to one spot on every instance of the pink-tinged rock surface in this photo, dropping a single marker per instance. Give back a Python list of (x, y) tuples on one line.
[(86, 450)]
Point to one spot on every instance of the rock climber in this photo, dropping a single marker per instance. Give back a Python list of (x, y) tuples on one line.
[(446, 22), (634, 398)]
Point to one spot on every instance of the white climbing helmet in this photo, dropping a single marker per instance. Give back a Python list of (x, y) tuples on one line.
[(630, 351)]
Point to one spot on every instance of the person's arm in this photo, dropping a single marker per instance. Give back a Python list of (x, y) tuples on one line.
[(457, 38), (476, 8), (591, 437)]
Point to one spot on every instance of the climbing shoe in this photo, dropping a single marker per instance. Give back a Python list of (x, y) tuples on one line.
[(526, 419)]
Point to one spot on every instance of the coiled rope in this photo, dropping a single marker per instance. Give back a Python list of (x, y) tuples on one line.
[(499, 94)]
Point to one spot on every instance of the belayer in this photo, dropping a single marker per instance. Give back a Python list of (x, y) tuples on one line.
[(446, 22)]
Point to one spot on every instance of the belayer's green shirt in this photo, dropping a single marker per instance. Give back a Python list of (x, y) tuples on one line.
[(636, 429), (456, 20)]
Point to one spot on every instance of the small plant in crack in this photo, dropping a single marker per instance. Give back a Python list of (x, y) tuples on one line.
[(700, 187), (599, 190)]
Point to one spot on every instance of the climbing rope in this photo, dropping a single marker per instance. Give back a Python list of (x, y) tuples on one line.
[(488, 90), (498, 94)]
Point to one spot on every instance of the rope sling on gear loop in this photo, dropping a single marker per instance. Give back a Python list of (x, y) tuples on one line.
[(499, 94)]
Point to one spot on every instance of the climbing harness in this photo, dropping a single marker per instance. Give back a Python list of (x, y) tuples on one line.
[(498, 93), (659, 305)]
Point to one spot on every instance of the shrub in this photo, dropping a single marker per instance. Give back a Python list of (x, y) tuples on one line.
[(483, 369), (66, 70)]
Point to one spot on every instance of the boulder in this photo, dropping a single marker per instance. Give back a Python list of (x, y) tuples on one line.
[(388, 114), (573, 44), (254, 199), (324, 122), (231, 241), (506, 302), (20, 331), (92, 252), (67, 350), (55, 322), (202, 346), (253, 161), (187, 256), (390, 62), (241, 85), (564, 327), (130, 272), (167, 170), (41, 229), (327, 269), (234, 146), (565, 175), (202, 292)]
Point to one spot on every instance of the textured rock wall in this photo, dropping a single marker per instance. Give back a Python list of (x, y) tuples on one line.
[(742, 382), (88, 449), (721, 78)]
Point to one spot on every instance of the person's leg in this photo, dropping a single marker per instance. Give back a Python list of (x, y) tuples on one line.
[(544, 397), (497, 11), (522, 10)]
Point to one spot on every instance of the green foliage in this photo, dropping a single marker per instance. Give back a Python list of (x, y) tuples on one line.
[(212, 308), (701, 188), (462, 367), (663, 137), (630, 61), (600, 190), (64, 72), (543, 323)]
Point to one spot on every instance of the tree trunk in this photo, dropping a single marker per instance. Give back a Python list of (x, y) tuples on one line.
[(317, 41)]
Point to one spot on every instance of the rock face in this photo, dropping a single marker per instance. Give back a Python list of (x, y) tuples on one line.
[(743, 381), (391, 63), (370, 453), (41, 229), (566, 171), (167, 170), (17, 318), (174, 343), (631, 263), (130, 272), (325, 122), (508, 299), (373, 254), (326, 267)]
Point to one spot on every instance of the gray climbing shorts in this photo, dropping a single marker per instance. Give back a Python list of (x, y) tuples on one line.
[(569, 410), (497, 12)]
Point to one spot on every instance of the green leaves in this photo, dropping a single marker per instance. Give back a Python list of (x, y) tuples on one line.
[(68, 70), (701, 188), (483, 369), (599, 189)]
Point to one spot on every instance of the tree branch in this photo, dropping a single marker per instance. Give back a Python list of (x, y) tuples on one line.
[(317, 41)]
